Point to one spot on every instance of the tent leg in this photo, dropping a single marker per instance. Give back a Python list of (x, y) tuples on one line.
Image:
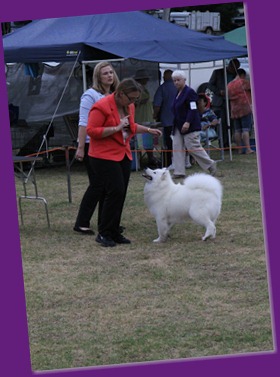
[(66, 149), (227, 110), (229, 144)]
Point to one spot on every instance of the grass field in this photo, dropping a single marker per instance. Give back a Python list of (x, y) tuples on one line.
[(91, 306)]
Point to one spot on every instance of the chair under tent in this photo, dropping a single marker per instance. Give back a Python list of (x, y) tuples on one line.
[(216, 142)]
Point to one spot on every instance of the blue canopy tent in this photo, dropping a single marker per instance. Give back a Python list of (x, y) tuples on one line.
[(127, 35)]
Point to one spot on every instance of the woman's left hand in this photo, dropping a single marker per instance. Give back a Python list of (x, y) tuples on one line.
[(155, 131)]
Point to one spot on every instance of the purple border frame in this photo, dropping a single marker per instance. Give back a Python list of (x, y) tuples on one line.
[(15, 359)]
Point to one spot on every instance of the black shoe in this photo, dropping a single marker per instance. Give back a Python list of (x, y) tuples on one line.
[(121, 229), (105, 241), (84, 230), (121, 239)]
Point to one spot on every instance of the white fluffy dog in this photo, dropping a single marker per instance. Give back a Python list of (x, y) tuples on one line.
[(199, 197)]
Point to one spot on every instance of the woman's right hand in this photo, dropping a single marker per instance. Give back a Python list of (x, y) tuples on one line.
[(80, 153), (124, 123), (185, 127)]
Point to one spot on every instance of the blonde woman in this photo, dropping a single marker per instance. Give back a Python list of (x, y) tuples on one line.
[(104, 82)]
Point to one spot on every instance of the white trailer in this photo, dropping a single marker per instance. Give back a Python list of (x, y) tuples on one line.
[(207, 22)]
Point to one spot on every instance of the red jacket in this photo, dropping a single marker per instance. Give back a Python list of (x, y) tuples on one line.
[(104, 113)]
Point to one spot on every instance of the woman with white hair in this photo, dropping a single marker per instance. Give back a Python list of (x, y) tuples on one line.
[(186, 128)]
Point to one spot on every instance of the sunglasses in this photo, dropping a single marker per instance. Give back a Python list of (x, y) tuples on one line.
[(131, 99)]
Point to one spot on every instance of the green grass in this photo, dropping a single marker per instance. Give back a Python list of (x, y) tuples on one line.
[(89, 305)]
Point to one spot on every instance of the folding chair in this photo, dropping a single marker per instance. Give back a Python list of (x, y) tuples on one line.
[(20, 173)]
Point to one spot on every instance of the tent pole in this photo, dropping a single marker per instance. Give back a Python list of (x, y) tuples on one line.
[(227, 112), (84, 76), (190, 76)]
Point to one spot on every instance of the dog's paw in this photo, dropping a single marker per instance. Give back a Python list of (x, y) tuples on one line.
[(159, 240), (205, 238)]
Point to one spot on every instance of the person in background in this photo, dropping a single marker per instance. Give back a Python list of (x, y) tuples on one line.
[(163, 100), (186, 129), (239, 91), (218, 86), (104, 81), (111, 125), (144, 113), (209, 119)]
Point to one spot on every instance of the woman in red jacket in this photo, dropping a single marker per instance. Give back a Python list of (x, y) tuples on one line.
[(110, 126)]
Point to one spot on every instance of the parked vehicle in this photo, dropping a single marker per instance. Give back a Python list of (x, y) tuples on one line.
[(207, 22), (239, 19)]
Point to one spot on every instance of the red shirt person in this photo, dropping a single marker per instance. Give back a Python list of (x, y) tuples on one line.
[(239, 91)]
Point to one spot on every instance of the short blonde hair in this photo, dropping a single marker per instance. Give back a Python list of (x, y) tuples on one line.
[(179, 73)]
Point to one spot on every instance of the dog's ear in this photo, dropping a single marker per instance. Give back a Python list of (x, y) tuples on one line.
[(164, 175)]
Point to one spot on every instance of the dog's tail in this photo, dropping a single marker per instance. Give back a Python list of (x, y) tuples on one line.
[(205, 182)]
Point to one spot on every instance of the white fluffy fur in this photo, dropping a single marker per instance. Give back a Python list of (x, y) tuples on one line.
[(199, 197)]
